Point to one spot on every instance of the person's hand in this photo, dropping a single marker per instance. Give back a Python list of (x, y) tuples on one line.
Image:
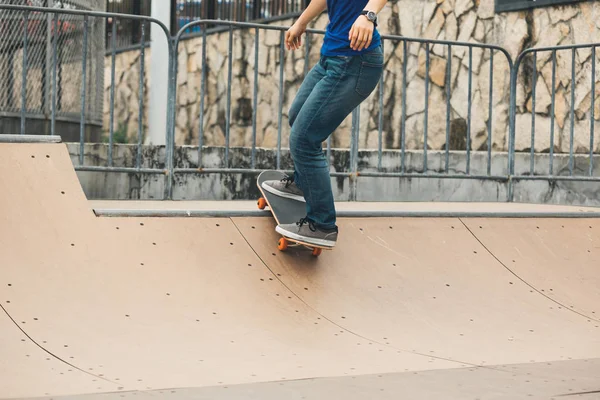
[(361, 33), (293, 36)]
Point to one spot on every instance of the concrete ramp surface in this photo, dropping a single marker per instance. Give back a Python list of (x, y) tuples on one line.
[(208, 308)]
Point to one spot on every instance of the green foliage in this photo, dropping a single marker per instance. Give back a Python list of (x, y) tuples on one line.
[(119, 135)]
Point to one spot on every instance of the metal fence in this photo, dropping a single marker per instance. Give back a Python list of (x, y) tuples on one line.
[(40, 59), (84, 75), (455, 77), (129, 32), (234, 10), (569, 130), (444, 50), (186, 11)]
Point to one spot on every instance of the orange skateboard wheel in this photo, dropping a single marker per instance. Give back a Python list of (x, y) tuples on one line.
[(283, 244), (317, 252), (262, 203)]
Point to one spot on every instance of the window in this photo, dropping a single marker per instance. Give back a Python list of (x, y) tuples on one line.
[(514, 5)]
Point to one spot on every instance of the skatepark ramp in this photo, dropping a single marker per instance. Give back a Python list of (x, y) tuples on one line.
[(205, 308)]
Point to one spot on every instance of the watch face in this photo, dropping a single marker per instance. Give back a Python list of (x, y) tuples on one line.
[(371, 15)]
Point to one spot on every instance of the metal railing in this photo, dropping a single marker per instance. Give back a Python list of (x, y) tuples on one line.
[(87, 19), (443, 170), (580, 165), (352, 171), (457, 60), (48, 50)]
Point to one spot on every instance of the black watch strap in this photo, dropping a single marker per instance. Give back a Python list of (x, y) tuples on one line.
[(366, 13)]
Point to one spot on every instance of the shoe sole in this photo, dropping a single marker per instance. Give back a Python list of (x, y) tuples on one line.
[(309, 240), (279, 193)]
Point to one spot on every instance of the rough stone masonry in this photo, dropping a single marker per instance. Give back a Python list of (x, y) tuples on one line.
[(473, 21)]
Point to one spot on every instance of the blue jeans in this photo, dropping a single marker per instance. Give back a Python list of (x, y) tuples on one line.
[(331, 90)]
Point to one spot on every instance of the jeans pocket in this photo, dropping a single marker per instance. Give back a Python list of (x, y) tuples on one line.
[(368, 77)]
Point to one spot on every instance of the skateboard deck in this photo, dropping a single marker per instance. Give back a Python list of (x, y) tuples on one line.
[(285, 211)]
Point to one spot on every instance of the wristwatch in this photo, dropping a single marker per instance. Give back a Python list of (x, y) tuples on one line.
[(371, 16)]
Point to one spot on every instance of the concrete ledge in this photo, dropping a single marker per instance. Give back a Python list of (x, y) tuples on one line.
[(415, 185)]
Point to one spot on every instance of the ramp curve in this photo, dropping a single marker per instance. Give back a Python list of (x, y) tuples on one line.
[(102, 305)]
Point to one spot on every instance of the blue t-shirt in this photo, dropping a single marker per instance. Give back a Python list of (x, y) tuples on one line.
[(342, 15)]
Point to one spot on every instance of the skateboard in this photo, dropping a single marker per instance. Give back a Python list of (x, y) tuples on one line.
[(285, 211)]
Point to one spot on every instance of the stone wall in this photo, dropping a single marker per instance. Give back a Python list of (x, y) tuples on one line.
[(464, 20)]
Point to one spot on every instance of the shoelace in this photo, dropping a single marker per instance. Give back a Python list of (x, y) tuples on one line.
[(311, 224), (288, 180)]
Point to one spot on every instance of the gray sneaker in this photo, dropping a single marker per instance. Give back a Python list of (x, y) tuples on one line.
[(284, 188), (306, 231)]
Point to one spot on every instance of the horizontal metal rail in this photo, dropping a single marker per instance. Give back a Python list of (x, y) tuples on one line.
[(501, 178), (126, 213), (29, 139), (127, 170), (555, 178)]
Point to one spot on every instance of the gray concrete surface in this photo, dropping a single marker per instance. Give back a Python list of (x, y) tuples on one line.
[(241, 186), (575, 379)]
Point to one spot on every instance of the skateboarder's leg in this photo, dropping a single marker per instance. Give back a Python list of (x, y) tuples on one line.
[(288, 187), (348, 81), (312, 78)]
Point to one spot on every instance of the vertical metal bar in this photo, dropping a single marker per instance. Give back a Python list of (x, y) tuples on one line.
[(354, 139), (380, 127), (255, 97), (24, 71), (469, 104), (83, 90), (552, 106), (533, 97), (426, 113), (448, 109), (202, 96), (403, 123), (138, 161), (307, 53), (490, 114), (514, 70), (592, 107), (228, 116), (281, 83), (357, 141), (356, 148), (256, 4), (113, 44), (329, 150), (135, 9), (54, 31), (172, 111), (98, 72), (572, 135), (46, 105)]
